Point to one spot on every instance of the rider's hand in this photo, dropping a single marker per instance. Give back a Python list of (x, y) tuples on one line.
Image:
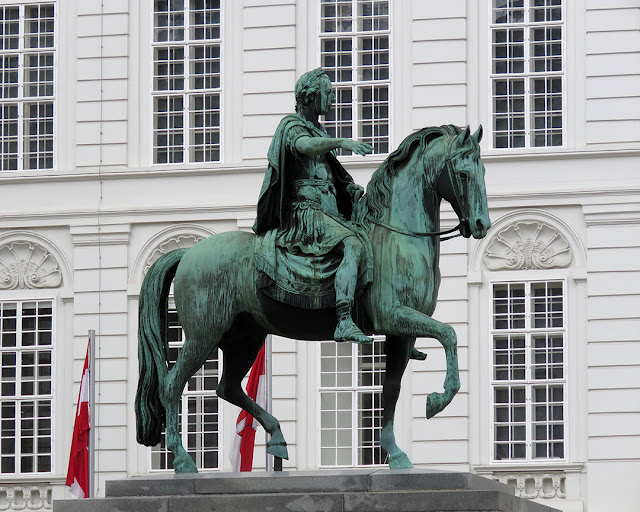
[(359, 148), (356, 191)]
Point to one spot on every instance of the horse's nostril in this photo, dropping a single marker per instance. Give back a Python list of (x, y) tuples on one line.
[(482, 227)]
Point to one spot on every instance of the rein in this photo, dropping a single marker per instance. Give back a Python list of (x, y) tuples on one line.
[(417, 234)]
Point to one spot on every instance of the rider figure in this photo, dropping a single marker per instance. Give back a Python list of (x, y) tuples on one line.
[(309, 197)]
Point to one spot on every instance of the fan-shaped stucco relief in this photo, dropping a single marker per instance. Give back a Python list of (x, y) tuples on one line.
[(528, 246), (27, 265), (175, 242)]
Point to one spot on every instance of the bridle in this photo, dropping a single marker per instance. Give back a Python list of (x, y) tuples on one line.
[(459, 192)]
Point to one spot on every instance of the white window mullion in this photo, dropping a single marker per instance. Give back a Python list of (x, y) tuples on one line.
[(354, 404), (20, 99), (529, 421), (354, 428), (184, 434), (185, 109), (355, 90), (18, 391), (186, 92), (528, 111)]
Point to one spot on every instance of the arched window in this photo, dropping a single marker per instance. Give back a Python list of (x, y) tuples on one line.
[(527, 281), (29, 277)]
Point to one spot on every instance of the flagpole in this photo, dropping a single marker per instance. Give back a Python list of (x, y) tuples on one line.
[(268, 369), (92, 413)]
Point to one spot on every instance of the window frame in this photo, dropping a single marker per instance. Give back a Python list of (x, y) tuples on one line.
[(186, 92), (527, 76), (20, 299), (184, 408), (21, 100), (529, 383), (355, 390), (356, 84)]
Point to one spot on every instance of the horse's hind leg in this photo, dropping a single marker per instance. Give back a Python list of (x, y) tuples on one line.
[(192, 356), (239, 352), (398, 351)]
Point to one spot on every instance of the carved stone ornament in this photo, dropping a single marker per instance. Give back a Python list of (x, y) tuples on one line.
[(176, 242), (27, 265), (25, 497), (535, 485), (527, 246)]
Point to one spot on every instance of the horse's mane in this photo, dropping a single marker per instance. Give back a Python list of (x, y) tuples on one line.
[(379, 188)]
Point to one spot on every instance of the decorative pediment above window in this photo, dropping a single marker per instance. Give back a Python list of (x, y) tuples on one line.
[(27, 265), (527, 246), (175, 242)]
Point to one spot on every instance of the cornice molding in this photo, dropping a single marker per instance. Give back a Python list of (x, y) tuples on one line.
[(216, 212), (612, 214), (259, 166), (101, 234), (550, 154)]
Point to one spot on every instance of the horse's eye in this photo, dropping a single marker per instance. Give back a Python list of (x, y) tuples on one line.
[(463, 175)]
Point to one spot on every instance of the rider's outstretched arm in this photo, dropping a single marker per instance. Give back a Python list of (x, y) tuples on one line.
[(318, 145)]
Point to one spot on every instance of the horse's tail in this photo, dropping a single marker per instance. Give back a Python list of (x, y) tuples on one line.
[(152, 347)]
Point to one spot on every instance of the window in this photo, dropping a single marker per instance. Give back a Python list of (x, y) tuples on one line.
[(27, 62), (527, 73), (200, 405), (354, 52), (186, 81), (26, 346), (529, 333), (351, 378)]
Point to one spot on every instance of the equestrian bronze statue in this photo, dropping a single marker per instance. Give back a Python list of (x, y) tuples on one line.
[(326, 262)]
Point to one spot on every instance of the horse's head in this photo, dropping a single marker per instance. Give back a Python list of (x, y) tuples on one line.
[(461, 182)]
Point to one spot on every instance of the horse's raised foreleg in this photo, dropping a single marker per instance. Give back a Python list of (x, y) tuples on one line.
[(238, 358), (398, 350), (407, 321)]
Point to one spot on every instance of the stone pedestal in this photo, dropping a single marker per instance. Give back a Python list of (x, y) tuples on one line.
[(362, 490)]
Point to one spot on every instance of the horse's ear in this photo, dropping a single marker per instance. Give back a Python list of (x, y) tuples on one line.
[(478, 134), (464, 136)]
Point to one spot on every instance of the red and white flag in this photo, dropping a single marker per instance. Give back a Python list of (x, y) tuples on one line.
[(78, 473), (243, 442)]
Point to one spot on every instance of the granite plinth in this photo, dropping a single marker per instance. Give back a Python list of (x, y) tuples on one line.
[(364, 490)]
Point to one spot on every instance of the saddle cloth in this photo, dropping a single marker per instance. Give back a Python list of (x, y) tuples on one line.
[(300, 279)]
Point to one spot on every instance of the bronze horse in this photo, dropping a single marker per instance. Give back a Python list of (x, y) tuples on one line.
[(219, 305)]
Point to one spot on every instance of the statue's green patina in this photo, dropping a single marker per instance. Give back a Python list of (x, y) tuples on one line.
[(232, 289), (307, 199)]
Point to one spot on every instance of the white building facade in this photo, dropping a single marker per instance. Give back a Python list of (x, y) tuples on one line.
[(132, 128)]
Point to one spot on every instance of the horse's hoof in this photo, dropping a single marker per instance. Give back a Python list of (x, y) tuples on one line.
[(434, 404), (399, 461), (184, 466), (278, 450)]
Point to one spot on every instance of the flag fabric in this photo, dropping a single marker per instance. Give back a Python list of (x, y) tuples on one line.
[(78, 473), (243, 442)]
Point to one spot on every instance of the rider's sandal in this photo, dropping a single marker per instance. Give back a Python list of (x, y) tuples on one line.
[(349, 331)]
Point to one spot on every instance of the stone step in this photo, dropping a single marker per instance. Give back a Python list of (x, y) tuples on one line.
[(366, 490)]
